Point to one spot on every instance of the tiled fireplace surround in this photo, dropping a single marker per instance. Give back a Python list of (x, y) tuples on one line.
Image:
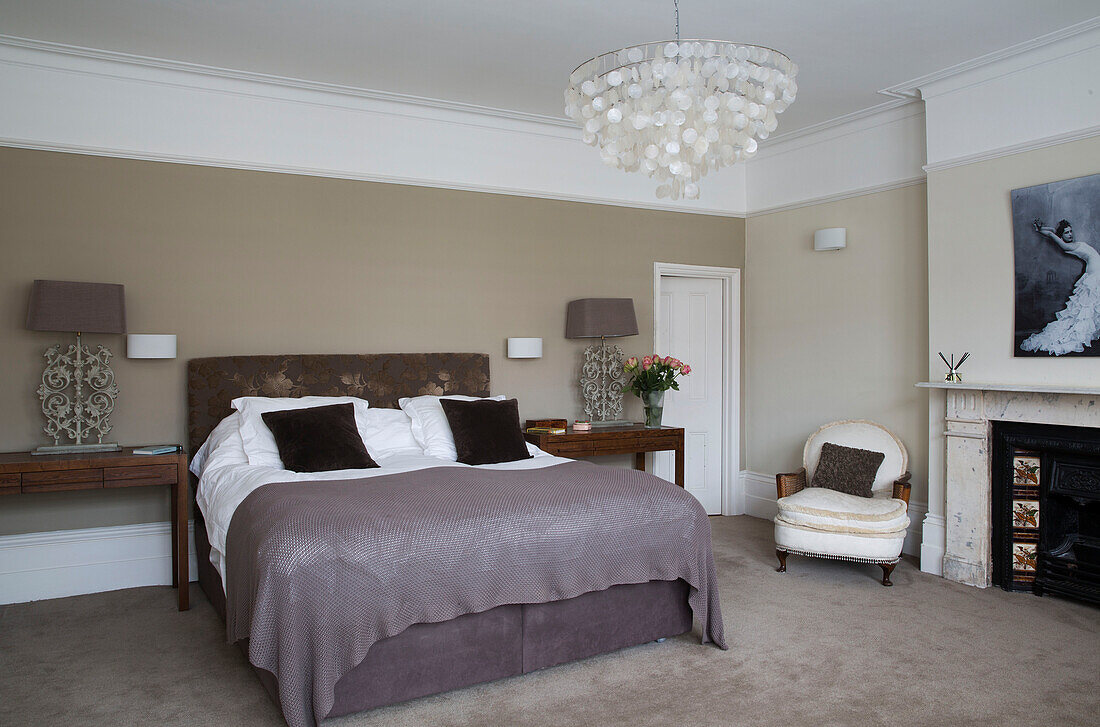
[(971, 408)]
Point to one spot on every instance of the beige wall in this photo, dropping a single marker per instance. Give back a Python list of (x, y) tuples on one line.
[(837, 335), (239, 262), (971, 273), (970, 268)]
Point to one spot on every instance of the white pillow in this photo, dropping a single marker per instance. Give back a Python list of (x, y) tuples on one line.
[(223, 446), (260, 445), (430, 426), (389, 431)]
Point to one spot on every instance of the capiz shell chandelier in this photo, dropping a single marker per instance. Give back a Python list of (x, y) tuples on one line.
[(676, 109)]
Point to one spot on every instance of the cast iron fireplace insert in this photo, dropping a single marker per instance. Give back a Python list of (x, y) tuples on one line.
[(1046, 509)]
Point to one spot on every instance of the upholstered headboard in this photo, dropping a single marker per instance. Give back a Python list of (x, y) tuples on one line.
[(381, 378)]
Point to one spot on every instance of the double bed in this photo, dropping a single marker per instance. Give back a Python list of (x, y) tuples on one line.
[(425, 575)]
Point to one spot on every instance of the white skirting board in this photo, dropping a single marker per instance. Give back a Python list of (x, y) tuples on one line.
[(760, 502), (35, 566)]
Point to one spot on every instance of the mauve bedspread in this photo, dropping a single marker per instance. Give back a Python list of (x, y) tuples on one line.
[(317, 573)]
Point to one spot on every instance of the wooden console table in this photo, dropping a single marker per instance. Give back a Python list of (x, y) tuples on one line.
[(633, 439), (23, 473)]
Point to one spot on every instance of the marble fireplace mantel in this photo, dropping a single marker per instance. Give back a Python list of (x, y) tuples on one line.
[(1019, 388), (971, 408)]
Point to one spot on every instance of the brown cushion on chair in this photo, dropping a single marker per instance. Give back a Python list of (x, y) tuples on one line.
[(847, 469), (486, 432), (318, 439)]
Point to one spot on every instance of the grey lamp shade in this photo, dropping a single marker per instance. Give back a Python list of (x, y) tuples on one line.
[(595, 317), (58, 305)]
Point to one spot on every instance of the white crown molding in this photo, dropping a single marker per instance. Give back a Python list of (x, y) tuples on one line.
[(1012, 149), (385, 179), (151, 109), (973, 112), (387, 96), (838, 196), (64, 563), (198, 69), (841, 125), (260, 88), (869, 152), (993, 63), (864, 152)]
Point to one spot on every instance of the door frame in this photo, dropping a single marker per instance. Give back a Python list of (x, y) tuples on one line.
[(733, 491)]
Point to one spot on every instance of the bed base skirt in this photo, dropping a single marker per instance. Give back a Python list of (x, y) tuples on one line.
[(501, 642)]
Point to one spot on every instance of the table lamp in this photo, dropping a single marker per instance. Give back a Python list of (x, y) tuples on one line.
[(602, 376), (78, 388)]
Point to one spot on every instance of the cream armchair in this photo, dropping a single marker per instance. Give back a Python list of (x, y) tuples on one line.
[(823, 523)]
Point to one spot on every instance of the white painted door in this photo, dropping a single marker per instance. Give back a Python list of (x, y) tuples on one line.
[(691, 328)]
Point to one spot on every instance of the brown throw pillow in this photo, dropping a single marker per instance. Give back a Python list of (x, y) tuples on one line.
[(486, 432), (318, 439), (847, 469)]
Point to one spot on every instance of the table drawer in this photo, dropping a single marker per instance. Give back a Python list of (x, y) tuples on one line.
[(658, 444), (9, 484), (149, 474), (55, 480), (570, 449)]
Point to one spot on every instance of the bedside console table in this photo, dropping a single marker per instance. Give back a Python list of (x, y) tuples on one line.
[(629, 439), (23, 473)]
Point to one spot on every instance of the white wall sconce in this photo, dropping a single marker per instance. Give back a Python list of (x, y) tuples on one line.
[(831, 238), (150, 345), (524, 348)]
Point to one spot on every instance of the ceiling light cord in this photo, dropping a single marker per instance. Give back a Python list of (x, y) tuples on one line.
[(676, 5)]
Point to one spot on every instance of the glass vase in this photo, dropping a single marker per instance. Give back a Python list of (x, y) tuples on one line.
[(653, 402)]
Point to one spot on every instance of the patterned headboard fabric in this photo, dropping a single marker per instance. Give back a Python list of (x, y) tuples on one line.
[(380, 378)]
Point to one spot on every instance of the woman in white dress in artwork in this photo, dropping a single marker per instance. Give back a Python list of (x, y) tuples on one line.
[(1078, 324)]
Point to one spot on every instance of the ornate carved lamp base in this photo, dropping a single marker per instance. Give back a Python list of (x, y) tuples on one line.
[(78, 394), (602, 380)]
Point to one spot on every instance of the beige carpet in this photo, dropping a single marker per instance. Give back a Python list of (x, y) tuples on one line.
[(823, 644)]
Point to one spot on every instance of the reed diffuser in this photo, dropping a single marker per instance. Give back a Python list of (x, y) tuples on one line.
[(953, 368)]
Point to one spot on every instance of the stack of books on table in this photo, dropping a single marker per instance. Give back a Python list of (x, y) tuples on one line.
[(154, 449), (545, 426)]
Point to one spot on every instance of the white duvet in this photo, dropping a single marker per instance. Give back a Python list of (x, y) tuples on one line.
[(226, 478)]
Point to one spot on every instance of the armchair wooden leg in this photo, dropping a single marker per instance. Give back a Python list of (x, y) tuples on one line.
[(782, 555), (887, 569)]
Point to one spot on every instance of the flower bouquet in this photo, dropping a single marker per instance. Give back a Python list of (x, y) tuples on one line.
[(650, 378)]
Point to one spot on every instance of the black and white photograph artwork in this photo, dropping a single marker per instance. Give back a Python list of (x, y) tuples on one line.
[(1056, 229)]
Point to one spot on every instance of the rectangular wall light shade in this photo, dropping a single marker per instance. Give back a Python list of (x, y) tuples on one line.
[(524, 348), (831, 238), (150, 345)]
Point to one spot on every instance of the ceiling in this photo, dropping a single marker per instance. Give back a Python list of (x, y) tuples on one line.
[(517, 54)]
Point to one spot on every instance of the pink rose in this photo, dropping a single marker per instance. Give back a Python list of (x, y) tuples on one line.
[(646, 363), (656, 357), (631, 363), (685, 370), (677, 363)]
